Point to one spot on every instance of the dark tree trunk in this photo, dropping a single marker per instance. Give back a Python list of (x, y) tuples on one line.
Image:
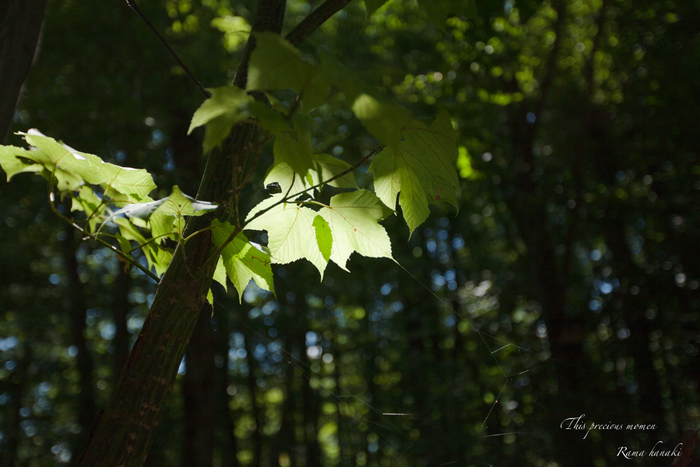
[(229, 449), (251, 380), (11, 421), (371, 394), (285, 439), (20, 27), (309, 406), (120, 315), (86, 400), (198, 391)]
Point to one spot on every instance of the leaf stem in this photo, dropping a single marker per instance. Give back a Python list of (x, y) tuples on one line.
[(287, 197), (85, 233), (313, 201), (186, 239), (132, 4), (295, 106)]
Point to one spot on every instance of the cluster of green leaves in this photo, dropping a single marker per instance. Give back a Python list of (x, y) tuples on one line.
[(106, 195), (416, 163)]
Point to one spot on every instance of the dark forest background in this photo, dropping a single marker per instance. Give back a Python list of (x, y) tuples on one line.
[(566, 284)]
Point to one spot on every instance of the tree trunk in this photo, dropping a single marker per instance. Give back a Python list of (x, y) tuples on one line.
[(20, 27), (11, 421), (229, 451), (309, 405), (198, 392), (124, 430), (252, 390), (120, 315), (86, 400), (285, 439)]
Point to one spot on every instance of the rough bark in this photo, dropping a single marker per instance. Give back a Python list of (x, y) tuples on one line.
[(20, 27), (124, 430)]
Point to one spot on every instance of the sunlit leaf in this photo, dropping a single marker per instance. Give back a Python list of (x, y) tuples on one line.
[(166, 216), (383, 119), (324, 237), (421, 168), (72, 169), (227, 106), (354, 222), (290, 230), (243, 261), (325, 168), (13, 160)]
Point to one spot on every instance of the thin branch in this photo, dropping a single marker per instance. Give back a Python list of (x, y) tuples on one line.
[(295, 106), (320, 184), (85, 233), (132, 4), (312, 22)]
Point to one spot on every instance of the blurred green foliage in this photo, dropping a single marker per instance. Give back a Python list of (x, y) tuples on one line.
[(566, 283)]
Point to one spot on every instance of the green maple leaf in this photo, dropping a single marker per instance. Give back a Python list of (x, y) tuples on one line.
[(382, 118), (296, 153), (325, 168), (166, 216), (421, 167), (242, 260), (324, 237), (220, 277), (227, 106), (276, 64), (353, 219), (157, 257), (73, 169), (291, 232), (14, 160)]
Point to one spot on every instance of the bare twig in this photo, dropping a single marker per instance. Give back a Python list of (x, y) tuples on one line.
[(127, 257), (312, 22), (132, 4)]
